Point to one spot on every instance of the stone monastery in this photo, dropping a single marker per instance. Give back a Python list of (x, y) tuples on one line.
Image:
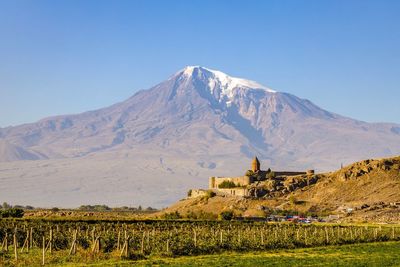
[(257, 183)]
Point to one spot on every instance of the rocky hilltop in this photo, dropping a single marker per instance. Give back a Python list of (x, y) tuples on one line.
[(363, 191)]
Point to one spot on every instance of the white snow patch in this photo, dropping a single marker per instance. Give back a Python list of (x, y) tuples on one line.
[(226, 83)]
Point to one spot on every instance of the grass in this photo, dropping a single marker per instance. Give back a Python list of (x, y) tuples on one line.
[(368, 254), (372, 254)]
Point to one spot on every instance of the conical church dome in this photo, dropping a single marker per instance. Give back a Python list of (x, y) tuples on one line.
[(255, 165)]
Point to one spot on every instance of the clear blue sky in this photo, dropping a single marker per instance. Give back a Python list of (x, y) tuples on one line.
[(61, 57)]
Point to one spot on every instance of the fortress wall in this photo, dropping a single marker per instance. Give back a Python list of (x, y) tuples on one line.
[(214, 182), (240, 192), (285, 173)]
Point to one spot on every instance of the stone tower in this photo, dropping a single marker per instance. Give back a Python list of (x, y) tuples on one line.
[(255, 165)]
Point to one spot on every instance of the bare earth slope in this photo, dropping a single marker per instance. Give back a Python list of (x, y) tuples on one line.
[(198, 123), (10, 152), (364, 182)]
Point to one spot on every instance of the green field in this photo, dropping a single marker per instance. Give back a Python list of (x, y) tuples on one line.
[(369, 254), (218, 243)]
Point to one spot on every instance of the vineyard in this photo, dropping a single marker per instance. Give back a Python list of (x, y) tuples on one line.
[(141, 239)]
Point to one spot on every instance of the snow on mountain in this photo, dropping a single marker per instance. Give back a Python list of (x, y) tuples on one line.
[(220, 83), (171, 137)]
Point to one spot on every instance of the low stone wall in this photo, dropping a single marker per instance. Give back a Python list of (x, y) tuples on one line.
[(239, 192), (197, 193)]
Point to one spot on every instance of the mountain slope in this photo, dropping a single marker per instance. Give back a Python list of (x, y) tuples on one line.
[(364, 182), (205, 123), (10, 152), (198, 107)]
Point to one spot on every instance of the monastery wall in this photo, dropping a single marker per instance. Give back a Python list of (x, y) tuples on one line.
[(214, 182)]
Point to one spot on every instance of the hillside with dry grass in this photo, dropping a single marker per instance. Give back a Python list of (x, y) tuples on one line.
[(368, 190)]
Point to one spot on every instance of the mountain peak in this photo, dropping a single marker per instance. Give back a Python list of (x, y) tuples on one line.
[(218, 80)]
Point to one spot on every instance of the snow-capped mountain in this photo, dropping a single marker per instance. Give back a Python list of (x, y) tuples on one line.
[(221, 85), (197, 123)]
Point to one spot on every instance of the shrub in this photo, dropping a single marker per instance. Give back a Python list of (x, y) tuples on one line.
[(189, 193), (271, 175), (94, 208), (292, 200), (227, 184), (249, 173), (210, 194), (226, 215), (172, 215), (259, 177)]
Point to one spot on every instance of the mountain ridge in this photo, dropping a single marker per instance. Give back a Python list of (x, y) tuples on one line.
[(240, 106)]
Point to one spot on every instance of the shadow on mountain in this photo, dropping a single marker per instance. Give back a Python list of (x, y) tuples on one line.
[(244, 126)]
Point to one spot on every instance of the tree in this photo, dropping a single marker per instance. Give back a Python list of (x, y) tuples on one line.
[(13, 213), (6, 206), (227, 184), (16, 213)]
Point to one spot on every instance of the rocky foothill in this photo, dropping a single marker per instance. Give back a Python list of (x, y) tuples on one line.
[(279, 186), (367, 166)]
